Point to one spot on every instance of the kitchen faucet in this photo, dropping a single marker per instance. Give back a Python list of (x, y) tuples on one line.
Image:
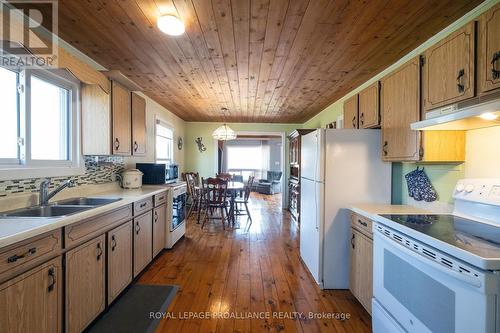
[(45, 195)]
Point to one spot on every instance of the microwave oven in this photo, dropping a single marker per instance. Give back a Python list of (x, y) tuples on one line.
[(157, 174)]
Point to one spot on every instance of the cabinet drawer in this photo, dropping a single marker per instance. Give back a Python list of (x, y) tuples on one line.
[(80, 232), (143, 206), (160, 198), (362, 224), (21, 256)]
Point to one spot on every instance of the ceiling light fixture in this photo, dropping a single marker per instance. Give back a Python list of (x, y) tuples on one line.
[(171, 25), (224, 132), (488, 116)]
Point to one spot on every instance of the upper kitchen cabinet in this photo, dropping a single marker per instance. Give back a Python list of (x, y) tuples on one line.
[(489, 50), (122, 119), (448, 69), (351, 112), (96, 120), (369, 111), (138, 125), (400, 106)]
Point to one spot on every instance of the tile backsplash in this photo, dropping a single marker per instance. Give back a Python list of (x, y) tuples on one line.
[(98, 170)]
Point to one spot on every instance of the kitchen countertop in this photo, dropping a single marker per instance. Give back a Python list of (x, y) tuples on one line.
[(369, 210), (13, 230)]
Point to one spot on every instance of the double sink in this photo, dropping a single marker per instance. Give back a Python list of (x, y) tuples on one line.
[(59, 209)]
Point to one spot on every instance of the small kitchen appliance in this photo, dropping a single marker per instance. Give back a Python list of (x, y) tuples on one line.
[(158, 173), (131, 178), (440, 272)]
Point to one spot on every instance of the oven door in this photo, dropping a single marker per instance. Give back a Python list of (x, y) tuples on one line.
[(423, 295), (178, 211)]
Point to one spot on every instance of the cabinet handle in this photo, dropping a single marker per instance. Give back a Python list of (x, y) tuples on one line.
[(117, 144), (142, 205), (156, 216), (99, 251), (460, 84), (495, 73), (384, 148), (364, 224), (137, 228), (354, 122), (352, 240), (136, 146), (362, 118), (113, 243), (52, 277), (16, 257)]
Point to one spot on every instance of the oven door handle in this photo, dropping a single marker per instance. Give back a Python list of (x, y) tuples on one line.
[(475, 282)]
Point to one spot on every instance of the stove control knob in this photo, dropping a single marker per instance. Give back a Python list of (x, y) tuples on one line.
[(460, 187), (469, 188)]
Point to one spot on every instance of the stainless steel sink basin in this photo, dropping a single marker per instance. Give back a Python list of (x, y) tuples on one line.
[(46, 211), (87, 201), (59, 209)]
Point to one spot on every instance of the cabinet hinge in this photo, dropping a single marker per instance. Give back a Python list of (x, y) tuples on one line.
[(20, 89), (20, 141), (421, 152)]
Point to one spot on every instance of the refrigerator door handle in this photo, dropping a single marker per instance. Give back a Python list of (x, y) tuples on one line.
[(316, 179)]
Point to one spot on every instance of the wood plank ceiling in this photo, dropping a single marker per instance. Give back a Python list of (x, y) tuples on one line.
[(263, 60)]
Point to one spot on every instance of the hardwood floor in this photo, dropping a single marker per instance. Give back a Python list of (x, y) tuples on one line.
[(251, 278)]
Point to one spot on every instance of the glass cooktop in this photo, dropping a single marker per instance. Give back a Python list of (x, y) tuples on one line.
[(479, 238)]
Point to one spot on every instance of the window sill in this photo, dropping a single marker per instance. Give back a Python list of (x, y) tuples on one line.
[(9, 173)]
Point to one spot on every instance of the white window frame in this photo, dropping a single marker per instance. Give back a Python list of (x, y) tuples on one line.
[(170, 127), (25, 167)]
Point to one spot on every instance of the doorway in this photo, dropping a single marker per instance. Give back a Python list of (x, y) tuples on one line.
[(258, 154)]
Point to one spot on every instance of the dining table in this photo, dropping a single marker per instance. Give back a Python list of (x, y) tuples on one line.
[(233, 189)]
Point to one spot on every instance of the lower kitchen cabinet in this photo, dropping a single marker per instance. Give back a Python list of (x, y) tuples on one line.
[(85, 284), (159, 228), (32, 302), (119, 259), (361, 264), (143, 241)]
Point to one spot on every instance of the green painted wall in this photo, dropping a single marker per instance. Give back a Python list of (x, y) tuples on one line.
[(205, 162)]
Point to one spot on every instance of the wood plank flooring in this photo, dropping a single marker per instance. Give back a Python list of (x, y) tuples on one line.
[(250, 279)]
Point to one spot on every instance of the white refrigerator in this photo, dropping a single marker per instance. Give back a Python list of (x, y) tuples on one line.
[(339, 168)]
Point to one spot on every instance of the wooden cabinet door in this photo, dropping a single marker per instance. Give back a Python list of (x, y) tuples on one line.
[(351, 112), (122, 128), (400, 106), (489, 50), (354, 283), (143, 241), (96, 120), (365, 276), (369, 111), (85, 284), (32, 302), (119, 259), (159, 228), (138, 125), (448, 69)]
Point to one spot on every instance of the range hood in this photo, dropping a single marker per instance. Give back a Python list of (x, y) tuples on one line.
[(476, 113)]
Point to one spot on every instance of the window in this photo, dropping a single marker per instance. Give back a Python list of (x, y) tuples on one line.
[(164, 143), (241, 157), (39, 127)]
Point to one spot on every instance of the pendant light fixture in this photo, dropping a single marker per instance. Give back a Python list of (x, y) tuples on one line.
[(224, 132)]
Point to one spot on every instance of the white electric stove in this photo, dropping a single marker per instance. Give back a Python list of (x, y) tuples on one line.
[(439, 272)]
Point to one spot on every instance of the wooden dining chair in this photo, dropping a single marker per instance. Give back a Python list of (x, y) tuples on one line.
[(225, 176), (244, 200), (214, 192), (194, 193)]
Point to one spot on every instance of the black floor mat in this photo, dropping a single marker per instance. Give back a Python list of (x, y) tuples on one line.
[(131, 313)]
